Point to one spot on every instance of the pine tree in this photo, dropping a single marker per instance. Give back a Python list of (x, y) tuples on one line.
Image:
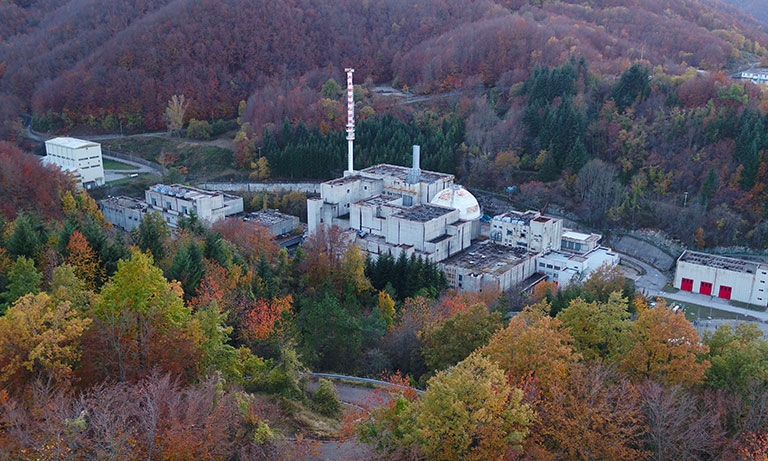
[(23, 278)]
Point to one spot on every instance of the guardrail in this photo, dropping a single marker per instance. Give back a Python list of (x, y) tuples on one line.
[(132, 158), (364, 380)]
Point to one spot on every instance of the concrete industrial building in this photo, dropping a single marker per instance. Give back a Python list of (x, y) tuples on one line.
[(486, 264), (758, 76), (396, 210), (563, 267), (275, 222), (177, 201), (123, 212), (80, 158), (723, 277), (530, 230)]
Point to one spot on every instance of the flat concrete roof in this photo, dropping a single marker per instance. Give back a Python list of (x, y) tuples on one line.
[(126, 202), (268, 217), (379, 199), (517, 217), (424, 212), (402, 172), (185, 192), (718, 262), (347, 180), (487, 256), (71, 143), (577, 236)]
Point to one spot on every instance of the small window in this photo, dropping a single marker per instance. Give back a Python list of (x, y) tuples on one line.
[(347, 190), (542, 265), (557, 268), (549, 266)]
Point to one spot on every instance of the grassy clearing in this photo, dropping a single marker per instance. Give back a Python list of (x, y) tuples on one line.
[(694, 311), (318, 426), (669, 289), (115, 165), (199, 161)]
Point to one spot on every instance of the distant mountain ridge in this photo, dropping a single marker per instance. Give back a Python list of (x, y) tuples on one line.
[(757, 8), (87, 60)]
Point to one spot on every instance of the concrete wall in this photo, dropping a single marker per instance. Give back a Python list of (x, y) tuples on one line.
[(466, 280), (122, 217), (306, 187)]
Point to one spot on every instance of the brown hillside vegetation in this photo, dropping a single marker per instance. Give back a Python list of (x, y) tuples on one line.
[(86, 59)]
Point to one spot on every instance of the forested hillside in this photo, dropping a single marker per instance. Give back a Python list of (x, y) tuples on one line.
[(85, 60), (757, 8), (534, 94)]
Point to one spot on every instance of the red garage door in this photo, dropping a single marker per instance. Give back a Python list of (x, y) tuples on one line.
[(686, 285), (706, 288), (725, 292)]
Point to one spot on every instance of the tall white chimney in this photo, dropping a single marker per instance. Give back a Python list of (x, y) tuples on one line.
[(350, 121), (415, 173)]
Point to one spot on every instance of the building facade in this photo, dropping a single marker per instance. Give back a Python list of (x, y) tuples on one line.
[(80, 158), (123, 212), (488, 265), (722, 277), (177, 201), (530, 230), (758, 76)]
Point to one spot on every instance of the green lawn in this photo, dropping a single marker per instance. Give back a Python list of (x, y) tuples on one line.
[(115, 165), (669, 289)]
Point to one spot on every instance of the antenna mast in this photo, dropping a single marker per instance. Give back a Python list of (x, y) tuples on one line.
[(350, 120)]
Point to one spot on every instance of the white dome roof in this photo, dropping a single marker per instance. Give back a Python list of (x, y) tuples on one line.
[(461, 199)]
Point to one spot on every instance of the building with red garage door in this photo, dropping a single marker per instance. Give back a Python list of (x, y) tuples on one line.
[(722, 277)]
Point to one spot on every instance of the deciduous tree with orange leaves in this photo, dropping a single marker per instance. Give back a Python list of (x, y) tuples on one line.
[(667, 348), (262, 318), (84, 260), (533, 342)]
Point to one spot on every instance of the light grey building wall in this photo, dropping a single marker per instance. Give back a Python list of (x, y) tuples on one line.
[(123, 212)]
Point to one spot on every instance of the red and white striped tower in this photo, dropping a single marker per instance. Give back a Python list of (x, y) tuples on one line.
[(350, 120)]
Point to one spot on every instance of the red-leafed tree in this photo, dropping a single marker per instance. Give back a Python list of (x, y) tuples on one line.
[(25, 184), (262, 318)]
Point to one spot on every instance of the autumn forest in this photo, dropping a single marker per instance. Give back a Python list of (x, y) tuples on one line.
[(200, 342)]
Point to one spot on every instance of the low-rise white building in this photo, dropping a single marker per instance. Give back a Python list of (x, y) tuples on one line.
[(530, 230), (275, 222), (757, 75), (176, 201), (723, 277), (563, 268), (488, 265), (123, 212), (80, 158)]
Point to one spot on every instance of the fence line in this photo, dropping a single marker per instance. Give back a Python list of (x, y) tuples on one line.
[(131, 158)]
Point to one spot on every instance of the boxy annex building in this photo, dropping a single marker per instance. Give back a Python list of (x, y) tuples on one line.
[(723, 277)]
